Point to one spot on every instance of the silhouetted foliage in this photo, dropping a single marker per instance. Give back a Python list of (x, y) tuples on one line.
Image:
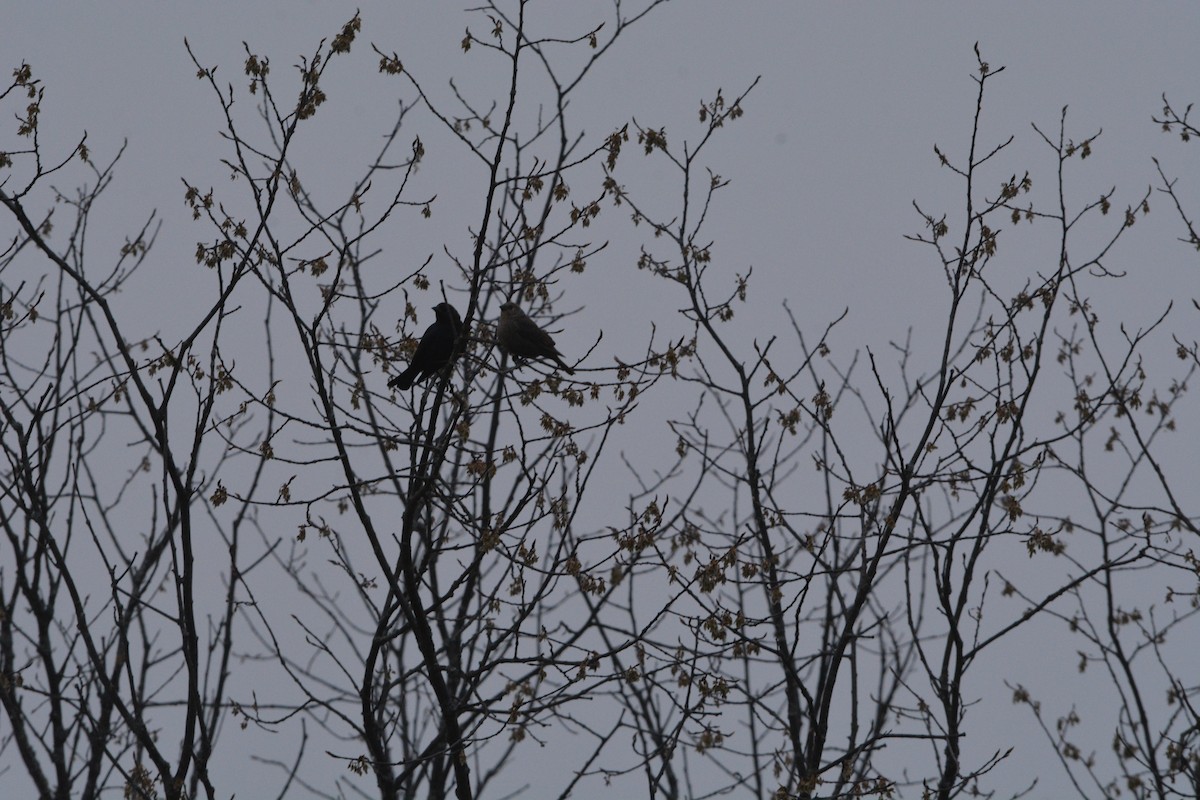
[(240, 522)]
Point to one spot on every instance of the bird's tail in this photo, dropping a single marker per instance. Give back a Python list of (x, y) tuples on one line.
[(404, 380)]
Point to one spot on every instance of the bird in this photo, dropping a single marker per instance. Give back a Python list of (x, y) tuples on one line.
[(435, 348), (520, 337)]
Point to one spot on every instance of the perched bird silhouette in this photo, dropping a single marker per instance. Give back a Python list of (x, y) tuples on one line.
[(434, 350), (520, 337)]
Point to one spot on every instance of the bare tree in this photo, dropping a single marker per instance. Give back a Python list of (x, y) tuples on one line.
[(830, 627), (462, 638), (115, 650), (1141, 506), (449, 513), (239, 520)]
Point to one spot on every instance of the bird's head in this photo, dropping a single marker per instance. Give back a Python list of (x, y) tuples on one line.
[(449, 315)]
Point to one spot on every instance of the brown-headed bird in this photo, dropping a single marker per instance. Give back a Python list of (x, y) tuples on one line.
[(435, 348), (520, 337)]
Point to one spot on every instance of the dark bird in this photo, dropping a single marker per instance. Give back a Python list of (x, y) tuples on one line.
[(435, 349), (520, 337)]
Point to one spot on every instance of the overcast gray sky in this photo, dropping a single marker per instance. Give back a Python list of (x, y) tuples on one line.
[(836, 144)]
